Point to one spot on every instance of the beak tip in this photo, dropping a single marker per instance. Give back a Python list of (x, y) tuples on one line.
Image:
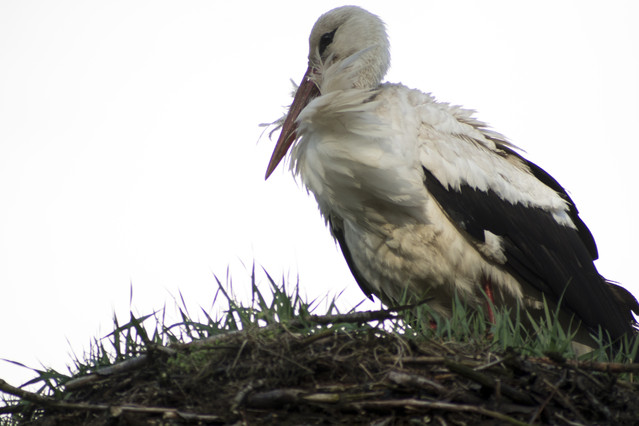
[(272, 165)]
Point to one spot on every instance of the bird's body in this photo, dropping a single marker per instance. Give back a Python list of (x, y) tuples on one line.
[(396, 234), (425, 200)]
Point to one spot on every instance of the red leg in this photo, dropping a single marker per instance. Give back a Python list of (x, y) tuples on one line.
[(432, 324), (488, 289)]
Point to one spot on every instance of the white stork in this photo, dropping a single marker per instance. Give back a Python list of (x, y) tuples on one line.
[(424, 200)]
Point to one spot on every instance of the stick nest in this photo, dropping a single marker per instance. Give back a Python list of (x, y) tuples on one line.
[(340, 376)]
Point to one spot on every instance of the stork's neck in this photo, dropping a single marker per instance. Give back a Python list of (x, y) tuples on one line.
[(374, 63)]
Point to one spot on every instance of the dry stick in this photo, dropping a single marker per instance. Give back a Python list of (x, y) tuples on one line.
[(278, 397), (604, 367), (489, 382), (365, 316), (26, 395), (414, 381), (435, 405), (542, 407), (11, 409), (423, 360), (598, 405), (114, 410), (308, 340), (489, 364), (274, 398), (568, 421), (241, 395), (565, 401), (120, 367)]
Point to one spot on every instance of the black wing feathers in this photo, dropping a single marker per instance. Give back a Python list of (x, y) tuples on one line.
[(549, 181), (338, 234), (555, 259)]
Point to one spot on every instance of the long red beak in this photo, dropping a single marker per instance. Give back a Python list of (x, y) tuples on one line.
[(305, 93)]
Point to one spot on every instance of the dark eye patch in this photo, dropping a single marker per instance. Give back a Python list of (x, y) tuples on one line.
[(325, 41)]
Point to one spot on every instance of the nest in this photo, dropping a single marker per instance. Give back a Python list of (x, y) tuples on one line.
[(338, 375)]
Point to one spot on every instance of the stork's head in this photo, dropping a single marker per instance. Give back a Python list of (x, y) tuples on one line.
[(348, 48), (348, 44)]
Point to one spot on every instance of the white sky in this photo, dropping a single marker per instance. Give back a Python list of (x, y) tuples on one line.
[(129, 154)]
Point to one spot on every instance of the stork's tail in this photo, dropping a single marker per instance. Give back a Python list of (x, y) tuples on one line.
[(628, 305)]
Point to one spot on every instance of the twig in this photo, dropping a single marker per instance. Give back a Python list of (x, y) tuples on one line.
[(309, 340), (414, 381), (604, 367), (567, 421), (489, 382), (417, 360), (489, 364), (434, 405), (241, 395), (359, 317), (11, 409), (598, 405), (239, 353), (120, 367), (116, 410), (565, 401), (26, 395), (542, 407), (274, 398), (281, 397)]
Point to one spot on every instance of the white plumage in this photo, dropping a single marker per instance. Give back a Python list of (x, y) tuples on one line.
[(421, 196), (374, 183)]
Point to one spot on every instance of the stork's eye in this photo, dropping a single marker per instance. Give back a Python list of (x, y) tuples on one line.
[(325, 40)]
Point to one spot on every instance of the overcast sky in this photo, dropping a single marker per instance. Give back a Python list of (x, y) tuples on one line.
[(129, 150)]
